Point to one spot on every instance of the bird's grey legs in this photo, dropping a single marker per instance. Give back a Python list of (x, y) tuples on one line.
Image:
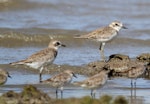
[(56, 93), (40, 76), (132, 83), (101, 48), (61, 89), (93, 93), (61, 92)]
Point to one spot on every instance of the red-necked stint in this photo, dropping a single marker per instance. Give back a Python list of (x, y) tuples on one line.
[(94, 82), (60, 80)]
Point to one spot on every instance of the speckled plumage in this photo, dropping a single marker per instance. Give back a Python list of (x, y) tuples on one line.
[(104, 34), (136, 69), (60, 80), (3, 76), (94, 82), (42, 58)]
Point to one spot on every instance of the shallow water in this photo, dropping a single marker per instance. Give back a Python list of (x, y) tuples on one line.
[(27, 25), (114, 87)]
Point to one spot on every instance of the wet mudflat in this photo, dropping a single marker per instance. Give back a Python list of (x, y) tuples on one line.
[(119, 86), (26, 26)]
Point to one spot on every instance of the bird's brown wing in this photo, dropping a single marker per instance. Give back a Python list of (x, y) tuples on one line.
[(43, 55), (98, 33)]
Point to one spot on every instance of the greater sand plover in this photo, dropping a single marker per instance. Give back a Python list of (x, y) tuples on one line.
[(60, 80), (3, 76), (94, 82), (104, 35), (42, 58)]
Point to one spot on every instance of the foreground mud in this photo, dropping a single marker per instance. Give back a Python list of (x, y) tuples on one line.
[(31, 95)]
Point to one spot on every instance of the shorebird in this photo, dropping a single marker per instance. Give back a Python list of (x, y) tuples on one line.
[(104, 35), (3, 76), (94, 82), (136, 70), (42, 58), (60, 80)]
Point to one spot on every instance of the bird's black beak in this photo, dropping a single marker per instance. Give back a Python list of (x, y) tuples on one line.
[(63, 45), (124, 27), (74, 75), (9, 75)]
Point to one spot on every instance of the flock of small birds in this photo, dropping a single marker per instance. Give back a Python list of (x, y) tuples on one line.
[(46, 57)]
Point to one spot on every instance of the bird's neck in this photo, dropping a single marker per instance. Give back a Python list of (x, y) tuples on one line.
[(52, 47)]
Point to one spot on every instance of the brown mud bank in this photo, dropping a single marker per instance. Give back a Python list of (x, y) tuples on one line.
[(31, 95), (118, 64)]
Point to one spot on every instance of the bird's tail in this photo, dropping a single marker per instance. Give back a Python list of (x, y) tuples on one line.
[(17, 63), (81, 36), (46, 81), (77, 83)]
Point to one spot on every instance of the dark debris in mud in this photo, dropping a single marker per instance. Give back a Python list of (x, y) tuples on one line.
[(31, 95)]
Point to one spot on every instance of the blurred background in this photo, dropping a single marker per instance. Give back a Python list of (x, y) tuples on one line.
[(31, 23)]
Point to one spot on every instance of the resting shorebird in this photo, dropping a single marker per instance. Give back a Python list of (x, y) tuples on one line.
[(94, 82), (3, 76), (136, 70), (104, 35), (58, 81), (42, 58)]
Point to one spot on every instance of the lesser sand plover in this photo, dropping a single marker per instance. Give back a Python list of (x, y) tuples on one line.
[(60, 80), (104, 35), (94, 82), (3, 76), (42, 58), (136, 70)]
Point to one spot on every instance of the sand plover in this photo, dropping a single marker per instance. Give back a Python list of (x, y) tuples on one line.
[(42, 58), (59, 80), (104, 34), (136, 69), (94, 82), (3, 76)]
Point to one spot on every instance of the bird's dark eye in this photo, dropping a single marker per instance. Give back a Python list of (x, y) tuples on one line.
[(116, 24), (57, 43)]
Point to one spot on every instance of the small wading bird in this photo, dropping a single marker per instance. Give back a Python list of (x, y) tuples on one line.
[(42, 58), (104, 35), (94, 82), (3, 76), (60, 80), (135, 71)]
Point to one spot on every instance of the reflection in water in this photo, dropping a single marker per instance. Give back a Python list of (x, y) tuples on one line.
[(133, 94), (136, 98)]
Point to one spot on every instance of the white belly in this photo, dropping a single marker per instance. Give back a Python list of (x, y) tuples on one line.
[(106, 38), (35, 65)]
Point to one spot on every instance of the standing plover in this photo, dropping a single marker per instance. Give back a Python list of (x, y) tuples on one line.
[(104, 34), (59, 80), (94, 82), (136, 69), (3, 76), (42, 58)]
